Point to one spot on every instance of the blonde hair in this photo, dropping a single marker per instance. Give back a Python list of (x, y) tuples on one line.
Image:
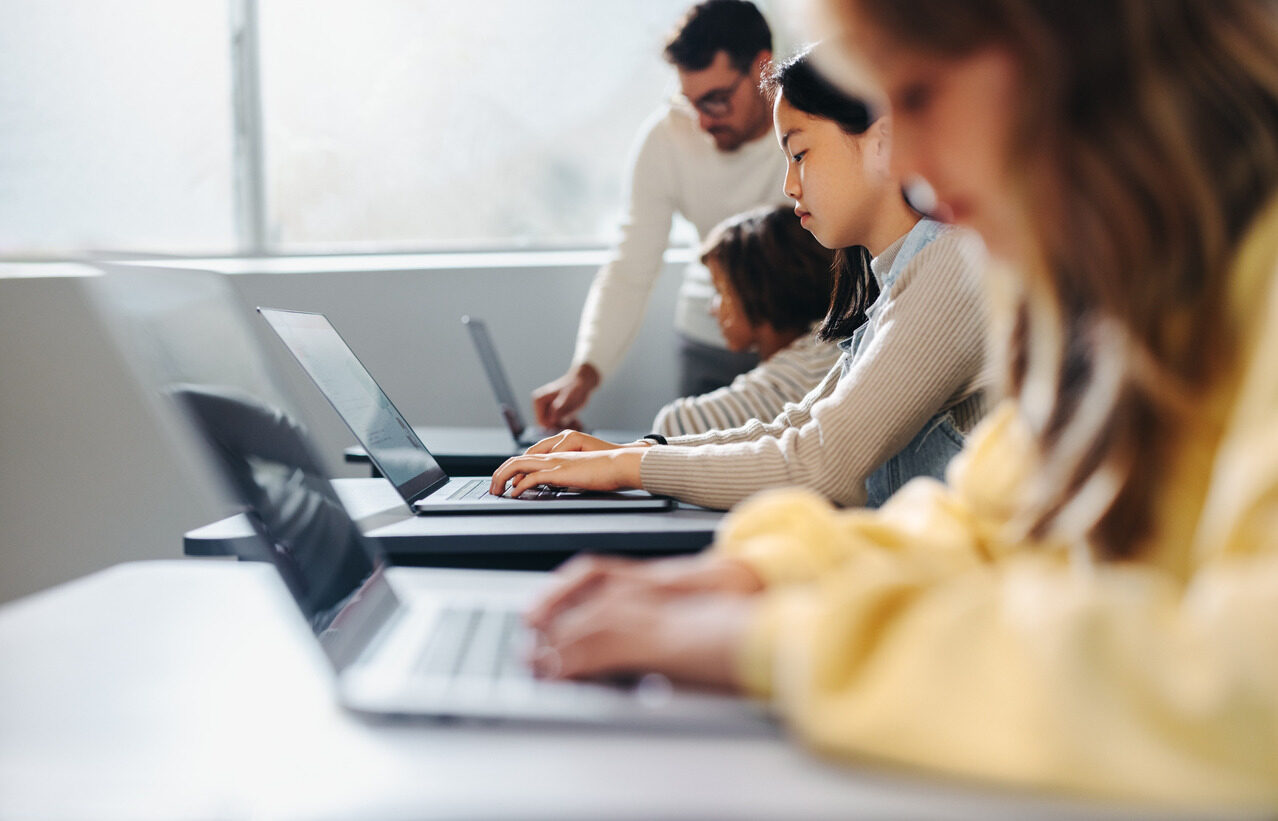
[(1146, 141)]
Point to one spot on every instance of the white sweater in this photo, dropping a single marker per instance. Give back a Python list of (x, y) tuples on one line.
[(787, 376), (675, 167)]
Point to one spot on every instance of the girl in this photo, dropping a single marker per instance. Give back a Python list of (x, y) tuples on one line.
[(1092, 603), (906, 390), (772, 283)]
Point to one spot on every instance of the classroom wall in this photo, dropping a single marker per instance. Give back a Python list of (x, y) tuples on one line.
[(87, 480)]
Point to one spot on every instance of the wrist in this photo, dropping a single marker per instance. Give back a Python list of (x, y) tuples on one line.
[(628, 464), (586, 375)]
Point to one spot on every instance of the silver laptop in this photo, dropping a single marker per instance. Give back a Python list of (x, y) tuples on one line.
[(508, 404), (462, 652), (396, 450), (398, 641)]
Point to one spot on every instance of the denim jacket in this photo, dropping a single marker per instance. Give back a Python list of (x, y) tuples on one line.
[(931, 449)]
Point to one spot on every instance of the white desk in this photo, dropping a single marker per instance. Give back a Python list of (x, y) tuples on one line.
[(193, 689)]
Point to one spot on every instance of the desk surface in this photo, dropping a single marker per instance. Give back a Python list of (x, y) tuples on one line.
[(192, 688), (486, 540)]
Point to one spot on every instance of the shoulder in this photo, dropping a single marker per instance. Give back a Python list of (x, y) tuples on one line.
[(956, 258), (668, 125)]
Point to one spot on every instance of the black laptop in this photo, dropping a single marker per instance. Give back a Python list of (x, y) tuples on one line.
[(395, 448)]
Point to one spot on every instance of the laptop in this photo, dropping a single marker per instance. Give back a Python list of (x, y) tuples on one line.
[(460, 652), (508, 405), (394, 447), (399, 641)]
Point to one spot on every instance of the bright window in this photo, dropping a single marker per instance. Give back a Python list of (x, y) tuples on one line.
[(380, 125)]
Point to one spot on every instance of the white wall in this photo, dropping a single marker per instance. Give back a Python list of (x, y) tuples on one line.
[(86, 480)]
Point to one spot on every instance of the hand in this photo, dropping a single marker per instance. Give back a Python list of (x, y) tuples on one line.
[(615, 469), (556, 403), (572, 440), (625, 628), (584, 575)]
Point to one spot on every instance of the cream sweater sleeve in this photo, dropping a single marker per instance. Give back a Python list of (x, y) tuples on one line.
[(927, 353)]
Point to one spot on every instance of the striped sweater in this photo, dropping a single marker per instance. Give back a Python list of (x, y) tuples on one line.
[(926, 356), (786, 376)]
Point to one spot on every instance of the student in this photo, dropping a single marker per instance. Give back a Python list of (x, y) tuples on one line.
[(705, 156), (1091, 604), (901, 399), (772, 284)]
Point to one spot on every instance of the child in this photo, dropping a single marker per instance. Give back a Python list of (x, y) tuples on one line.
[(773, 283)]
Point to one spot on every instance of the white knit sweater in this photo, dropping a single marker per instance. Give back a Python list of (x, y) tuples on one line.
[(675, 168)]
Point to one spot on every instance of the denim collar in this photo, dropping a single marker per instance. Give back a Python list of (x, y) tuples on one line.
[(896, 258)]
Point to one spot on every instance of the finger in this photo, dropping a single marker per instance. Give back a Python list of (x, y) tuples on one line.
[(532, 480), (546, 445), (512, 468), (578, 577), (583, 650), (568, 440), (542, 401), (564, 407)]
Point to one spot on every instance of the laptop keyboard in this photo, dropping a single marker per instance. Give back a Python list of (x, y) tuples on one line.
[(472, 490), (477, 489), (476, 642)]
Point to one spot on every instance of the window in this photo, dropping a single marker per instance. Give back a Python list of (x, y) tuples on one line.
[(317, 126), (115, 126)]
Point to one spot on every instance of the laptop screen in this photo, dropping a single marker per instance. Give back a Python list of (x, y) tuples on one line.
[(496, 374), (390, 441), (334, 574), (184, 337)]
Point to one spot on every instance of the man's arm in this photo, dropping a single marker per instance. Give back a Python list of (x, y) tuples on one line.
[(619, 295)]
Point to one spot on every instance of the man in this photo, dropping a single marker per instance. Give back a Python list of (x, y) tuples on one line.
[(707, 155)]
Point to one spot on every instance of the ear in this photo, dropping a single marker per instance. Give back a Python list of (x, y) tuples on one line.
[(883, 134), (881, 142)]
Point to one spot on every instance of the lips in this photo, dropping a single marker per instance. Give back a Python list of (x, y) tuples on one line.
[(803, 216)]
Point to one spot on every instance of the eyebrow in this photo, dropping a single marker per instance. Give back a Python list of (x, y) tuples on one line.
[(785, 138)]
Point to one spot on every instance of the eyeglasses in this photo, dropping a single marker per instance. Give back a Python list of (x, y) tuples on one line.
[(714, 103)]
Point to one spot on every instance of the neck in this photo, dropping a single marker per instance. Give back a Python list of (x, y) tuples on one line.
[(769, 340), (893, 221), (763, 125)]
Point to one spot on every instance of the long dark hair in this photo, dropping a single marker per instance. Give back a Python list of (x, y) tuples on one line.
[(799, 83), (781, 274)]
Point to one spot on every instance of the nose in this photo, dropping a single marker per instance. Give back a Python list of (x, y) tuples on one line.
[(716, 303), (790, 185)]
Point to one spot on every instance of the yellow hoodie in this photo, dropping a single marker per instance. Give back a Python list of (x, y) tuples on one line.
[(924, 633)]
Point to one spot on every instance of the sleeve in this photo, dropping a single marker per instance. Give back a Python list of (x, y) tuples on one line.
[(929, 348), (909, 635), (618, 296), (762, 393)]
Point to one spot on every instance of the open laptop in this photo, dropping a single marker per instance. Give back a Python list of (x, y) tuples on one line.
[(508, 404), (395, 448), (397, 643)]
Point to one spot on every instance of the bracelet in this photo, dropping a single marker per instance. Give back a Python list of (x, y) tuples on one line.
[(657, 438)]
